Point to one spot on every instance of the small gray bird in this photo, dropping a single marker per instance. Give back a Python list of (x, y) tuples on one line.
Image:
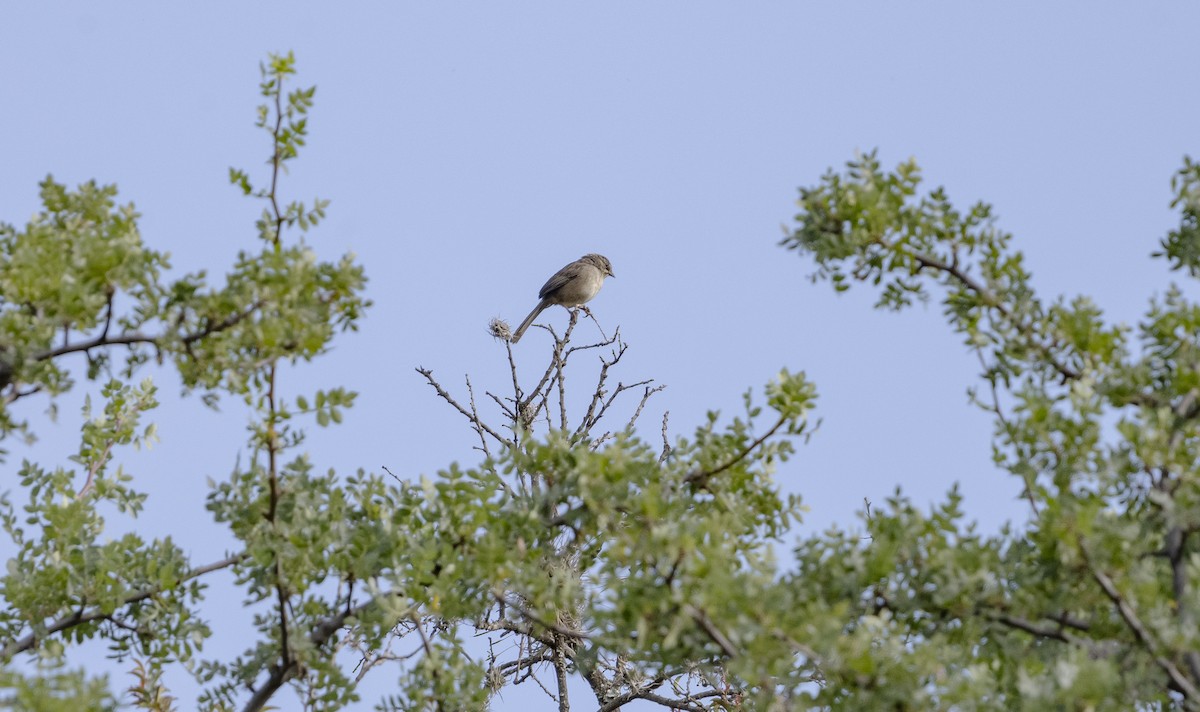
[(571, 286)]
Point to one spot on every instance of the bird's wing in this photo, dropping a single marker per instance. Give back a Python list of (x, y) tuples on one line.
[(560, 278)]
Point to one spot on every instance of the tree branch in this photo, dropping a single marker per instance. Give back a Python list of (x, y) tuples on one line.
[(475, 421), (555, 627), (991, 300), (712, 631), (137, 337), (690, 702), (560, 676), (318, 636), (226, 323), (1130, 616), (127, 339), (96, 614), (1056, 633), (702, 477)]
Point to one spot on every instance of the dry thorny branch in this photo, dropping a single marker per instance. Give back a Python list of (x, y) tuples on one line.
[(521, 645), (547, 400)]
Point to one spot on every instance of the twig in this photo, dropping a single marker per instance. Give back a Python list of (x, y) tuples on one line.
[(108, 310), (666, 451), (394, 477), (684, 705), (546, 375), (711, 630), (475, 419), (512, 668), (1008, 428), (15, 395), (508, 412), (560, 365), (642, 403), (512, 369), (95, 467), (558, 362), (589, 417), (646, 692), (609, 401), (277, 161), (591, 316), (450, 399)]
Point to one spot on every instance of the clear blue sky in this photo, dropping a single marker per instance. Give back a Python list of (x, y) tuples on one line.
[(471, 149)]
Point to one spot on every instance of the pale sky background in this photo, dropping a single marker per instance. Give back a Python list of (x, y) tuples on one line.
[(471, 149)]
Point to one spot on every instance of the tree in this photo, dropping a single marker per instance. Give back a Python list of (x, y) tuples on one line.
[(78, 280), (584, 544), (1090, 603)]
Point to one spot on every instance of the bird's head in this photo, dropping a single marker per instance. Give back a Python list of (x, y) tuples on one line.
[(600, 262)]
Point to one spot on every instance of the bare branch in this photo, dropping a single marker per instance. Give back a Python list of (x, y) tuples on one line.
[(642, 403), (560, 378), (549, 372), (592, 316), (450, 399), (689, 704), (589, 417), (666, 451), (558, 361), (504, 409), (512, 668), (512, 369), (475, 420)]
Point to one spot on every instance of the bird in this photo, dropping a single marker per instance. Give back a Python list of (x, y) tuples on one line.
[(571, 286)]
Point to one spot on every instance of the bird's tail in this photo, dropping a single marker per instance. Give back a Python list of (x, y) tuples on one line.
[(529, 320)]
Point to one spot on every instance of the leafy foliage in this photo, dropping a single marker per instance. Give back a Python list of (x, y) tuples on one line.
[(1092, 602)]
